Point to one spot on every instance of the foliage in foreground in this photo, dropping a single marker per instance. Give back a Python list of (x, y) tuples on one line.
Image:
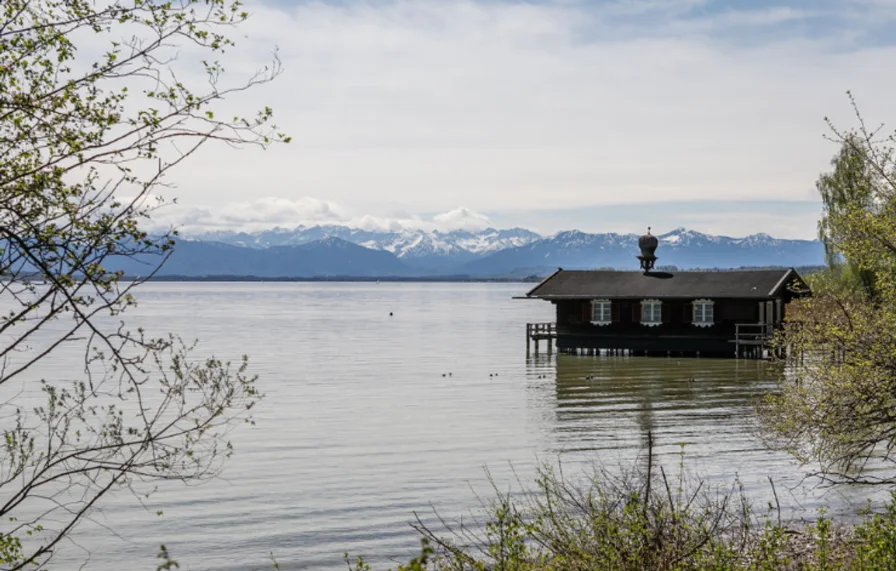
[(836, 406), (99, 103), (646, 521)]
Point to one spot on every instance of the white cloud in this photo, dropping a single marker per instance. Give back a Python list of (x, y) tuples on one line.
[(380, 224), (257, 214), (429, 104), (269, 212), (462, 219)]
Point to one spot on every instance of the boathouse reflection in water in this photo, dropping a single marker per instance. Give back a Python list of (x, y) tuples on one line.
[(609, 403)]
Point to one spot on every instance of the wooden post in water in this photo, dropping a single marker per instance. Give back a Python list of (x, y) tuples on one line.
[(737, 341), (528, 337)]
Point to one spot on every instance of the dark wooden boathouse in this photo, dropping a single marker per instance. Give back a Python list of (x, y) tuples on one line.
[(696, 313)]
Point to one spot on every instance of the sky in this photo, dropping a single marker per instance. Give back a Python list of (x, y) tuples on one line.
[(606, 115)]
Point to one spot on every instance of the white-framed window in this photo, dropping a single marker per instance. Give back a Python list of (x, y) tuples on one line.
[(703, 312), (601, 312), (651, 312)]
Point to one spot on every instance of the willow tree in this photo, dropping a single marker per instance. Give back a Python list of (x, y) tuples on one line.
[(837, 406), (96, 109)]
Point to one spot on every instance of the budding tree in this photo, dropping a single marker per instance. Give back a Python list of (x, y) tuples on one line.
[(837, 406), (96, 109)]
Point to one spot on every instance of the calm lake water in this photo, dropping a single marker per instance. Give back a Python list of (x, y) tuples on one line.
[(361, 427)]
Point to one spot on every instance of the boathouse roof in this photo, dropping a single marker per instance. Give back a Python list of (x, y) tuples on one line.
[(594, 284)]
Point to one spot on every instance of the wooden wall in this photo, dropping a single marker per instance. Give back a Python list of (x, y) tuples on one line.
[(627, 313)]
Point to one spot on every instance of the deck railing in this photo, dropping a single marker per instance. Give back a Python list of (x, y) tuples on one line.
[(541, 330), (751, 337), (751, 333)]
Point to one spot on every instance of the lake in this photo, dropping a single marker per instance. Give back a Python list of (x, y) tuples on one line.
[(369, 418)]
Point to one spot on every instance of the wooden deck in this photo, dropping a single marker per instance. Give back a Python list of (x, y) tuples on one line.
[(541, 332)]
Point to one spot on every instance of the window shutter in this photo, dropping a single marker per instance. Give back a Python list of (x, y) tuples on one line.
[(664, 312), (614, 311), (688, 312), (716, 312), (587, 309), (636, 312)]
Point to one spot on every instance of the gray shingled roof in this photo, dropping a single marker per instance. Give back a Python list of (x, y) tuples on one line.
[(744, 284)]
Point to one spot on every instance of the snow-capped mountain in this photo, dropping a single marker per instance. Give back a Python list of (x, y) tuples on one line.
[(681, 248), (490, 252), (425, 250), (491, 240)]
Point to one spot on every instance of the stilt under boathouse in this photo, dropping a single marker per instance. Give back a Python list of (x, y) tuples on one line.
[(728, 313)]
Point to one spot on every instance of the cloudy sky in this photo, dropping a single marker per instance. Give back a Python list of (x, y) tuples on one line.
[(604, 115)]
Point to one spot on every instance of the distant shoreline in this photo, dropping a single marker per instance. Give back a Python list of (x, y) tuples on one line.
[(409, 279), (363, 279), (402, 279), (417, 279)]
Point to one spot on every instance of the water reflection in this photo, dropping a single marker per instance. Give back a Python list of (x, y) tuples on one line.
[(604, 407), (621, 399)]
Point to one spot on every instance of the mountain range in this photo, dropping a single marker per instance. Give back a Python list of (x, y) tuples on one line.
[(420, 250), (340, 251)]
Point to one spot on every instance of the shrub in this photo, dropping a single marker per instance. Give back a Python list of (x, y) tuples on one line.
[(643, 520)]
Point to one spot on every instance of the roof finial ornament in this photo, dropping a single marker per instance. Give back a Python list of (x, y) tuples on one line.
[(648, 244)]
